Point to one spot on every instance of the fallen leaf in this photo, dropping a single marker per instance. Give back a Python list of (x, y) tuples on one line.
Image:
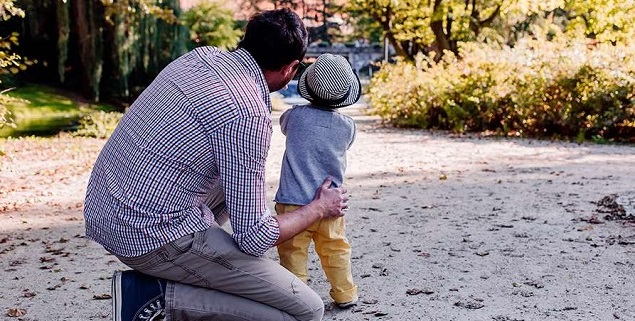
[(51, 288), (16, 312), (415, 291), (28, 294), (104, 296), (469, 304)]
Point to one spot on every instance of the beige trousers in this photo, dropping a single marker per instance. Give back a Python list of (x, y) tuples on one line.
[(211, 279)]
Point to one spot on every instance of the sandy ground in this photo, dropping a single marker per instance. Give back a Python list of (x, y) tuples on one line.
[(443, 227)]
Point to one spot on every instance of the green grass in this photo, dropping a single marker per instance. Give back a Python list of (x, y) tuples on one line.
[(44, 111)]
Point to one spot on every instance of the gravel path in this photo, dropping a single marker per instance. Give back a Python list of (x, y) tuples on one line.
[(443, 227)]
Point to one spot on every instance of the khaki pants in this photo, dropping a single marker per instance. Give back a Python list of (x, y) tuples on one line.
[(214, 280), (331, 246)]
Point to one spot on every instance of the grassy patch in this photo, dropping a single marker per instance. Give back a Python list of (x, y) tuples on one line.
[(45, 111)]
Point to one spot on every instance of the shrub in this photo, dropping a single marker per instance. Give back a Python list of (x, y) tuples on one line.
[(561, 88), (98, 124), (210, 24), (5, 114)]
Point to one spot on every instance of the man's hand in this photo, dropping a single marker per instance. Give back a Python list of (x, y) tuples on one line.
[(333, 201), (328, 202)]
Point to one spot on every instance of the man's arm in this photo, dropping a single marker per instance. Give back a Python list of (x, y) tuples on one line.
[(328, 202), (241, 148)]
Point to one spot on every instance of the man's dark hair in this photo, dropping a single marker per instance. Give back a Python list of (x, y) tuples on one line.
[(275, 38)]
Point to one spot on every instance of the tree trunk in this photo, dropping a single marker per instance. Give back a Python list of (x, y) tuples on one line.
[(76, 47), (386, 24), (442, 40), (88, 46), (63, 34)]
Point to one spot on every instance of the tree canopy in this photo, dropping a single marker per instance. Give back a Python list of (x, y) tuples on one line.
[(10, 62), (210, 24), (414, 26)]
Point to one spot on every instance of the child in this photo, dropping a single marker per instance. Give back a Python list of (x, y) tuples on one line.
[(317, 137)]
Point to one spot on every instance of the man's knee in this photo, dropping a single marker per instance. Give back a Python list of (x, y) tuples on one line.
[(316, 307)]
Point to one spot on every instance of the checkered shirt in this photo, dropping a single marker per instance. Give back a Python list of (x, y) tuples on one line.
[(204, 119)]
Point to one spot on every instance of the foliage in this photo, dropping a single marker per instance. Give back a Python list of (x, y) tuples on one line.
[(145, 36), (414, 26), (10, 62), (40, 110), (129, 9), (364, 27), (211, 25), (105, 50), (560, 88), (603, 20), (5, 114), (322, 18), (8, 10), (97, 124)]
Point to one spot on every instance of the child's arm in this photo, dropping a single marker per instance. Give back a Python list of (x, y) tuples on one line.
[(284, 119), (354, 129)]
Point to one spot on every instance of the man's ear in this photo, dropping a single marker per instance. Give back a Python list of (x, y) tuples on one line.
[(291, 68)]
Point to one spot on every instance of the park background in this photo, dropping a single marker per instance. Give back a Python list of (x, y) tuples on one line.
[(522, 68), (491, 178)]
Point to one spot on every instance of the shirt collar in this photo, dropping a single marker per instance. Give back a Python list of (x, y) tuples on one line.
[(244, 57)]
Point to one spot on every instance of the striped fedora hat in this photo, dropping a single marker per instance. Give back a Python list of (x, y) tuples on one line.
[(330, 82)]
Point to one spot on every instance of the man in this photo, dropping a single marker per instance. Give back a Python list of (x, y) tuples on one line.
[(188, 155)]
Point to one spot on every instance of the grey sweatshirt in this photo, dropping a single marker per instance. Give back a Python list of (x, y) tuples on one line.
[(316, 145)]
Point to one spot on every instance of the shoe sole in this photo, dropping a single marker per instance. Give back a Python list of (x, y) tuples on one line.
[(116, 296), (347, 305)]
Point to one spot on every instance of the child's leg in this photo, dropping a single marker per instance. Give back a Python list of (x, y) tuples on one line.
[(335, 254), (294, 252)]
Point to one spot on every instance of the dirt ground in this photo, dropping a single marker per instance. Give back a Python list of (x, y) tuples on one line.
[(443, 227)]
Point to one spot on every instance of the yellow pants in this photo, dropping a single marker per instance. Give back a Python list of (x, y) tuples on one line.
[(332, 248)]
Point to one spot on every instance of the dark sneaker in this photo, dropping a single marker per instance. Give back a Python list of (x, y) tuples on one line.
[(137, 297)]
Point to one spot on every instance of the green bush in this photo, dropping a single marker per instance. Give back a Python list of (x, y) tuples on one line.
[(210, 24), (5, 114), (98, 124), (561, 88)]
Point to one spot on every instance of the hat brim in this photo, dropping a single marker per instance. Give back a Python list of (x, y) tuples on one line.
[(353, 95)]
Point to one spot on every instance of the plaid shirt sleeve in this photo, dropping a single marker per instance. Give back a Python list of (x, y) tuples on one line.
[(241, 148)]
